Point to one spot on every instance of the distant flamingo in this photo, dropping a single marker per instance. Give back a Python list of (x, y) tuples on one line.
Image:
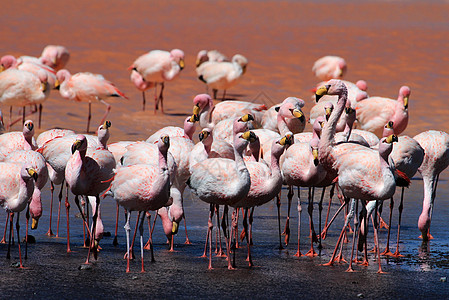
[(222, 75), (222, 181), (436, 160), (374, 112), (16, 190), (156, 67), (87, 87), (21, 88), (329, 67), (142, 188), (211, 55)]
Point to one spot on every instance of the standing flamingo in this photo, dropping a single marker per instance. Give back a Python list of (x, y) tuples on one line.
[(222, 181), (363, 174), (222, 75), (141, 188), (87, 87), (211, 55), (16, 140), (436, 160), (156, 67), (16, 190)]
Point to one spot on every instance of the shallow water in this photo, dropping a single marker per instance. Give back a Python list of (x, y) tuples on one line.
[(386, 43)]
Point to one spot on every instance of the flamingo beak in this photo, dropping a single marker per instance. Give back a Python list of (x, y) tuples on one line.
[(174, 229), (181, 64), (203, 134), (196, 110), (320, 92), (391, 138), (405, 102), (328, 112), (30, 126), (197, 63), (297, 113), (194, 118), (315, 157), (247, 118), (107, 124), (76, 145), (2, 68), (32, 173), (34, 223), (57, 84)]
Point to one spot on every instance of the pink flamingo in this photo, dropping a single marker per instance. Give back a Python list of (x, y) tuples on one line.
[(222, 181), (436, 160), (374, 112), (50, 134), (141, 188), (88, 174), (87, 87), (17, 140), (224, 130), (329, 67), (210, 114), (222, 75), (53, 56), (16, 190), (211, 55), (174, 131), (363, 174), (156, 67), (266, 183), (285, 117)]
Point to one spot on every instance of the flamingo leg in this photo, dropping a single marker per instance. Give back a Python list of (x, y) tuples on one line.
[(161, 97), (187, 242), (236, 229), (8, 254), (27, 216), (323, 234), (299, 208), (151, 239), (127, 230), (40, 115), (141, 238), (155, 98), (52, 188), (313, 238), (320, 209), (278, 204), (106, 113), (224, 95), (3, 241), (356, 227), (209, 231), (401, 206), (330, 203), (251, 226), (376, 239), (143, 101), (67, 207), (114, 242), (18, 240), (387, 247), (249, 259), (85, 222), (287, 223), (220, 250), (215, 93), (89, 116), (59, 208), (231, 266), (131, 249)]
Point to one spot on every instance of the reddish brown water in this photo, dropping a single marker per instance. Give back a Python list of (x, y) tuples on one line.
[(388, 44)]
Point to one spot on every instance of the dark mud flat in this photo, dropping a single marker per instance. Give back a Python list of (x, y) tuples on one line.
[(51, 273)]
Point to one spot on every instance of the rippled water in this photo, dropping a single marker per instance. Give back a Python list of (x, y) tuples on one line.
[(386, 43)]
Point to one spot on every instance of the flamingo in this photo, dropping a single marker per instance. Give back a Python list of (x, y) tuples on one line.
[(436, 159), (285, 117), (156, 67), (21, 88), (87, 87), (50, 134), (363, 174), (173, 131), (53, 56), (222, 75), (17, 140), (210, 114), (374, 112), (88, 174), (211, 55), (37, 162), (16, 190), (222, 181), (56, 152), (266, 183), (141, 188), (329, 67), (300, 167)]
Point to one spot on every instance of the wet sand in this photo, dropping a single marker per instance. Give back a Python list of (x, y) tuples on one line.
[(388, 44)]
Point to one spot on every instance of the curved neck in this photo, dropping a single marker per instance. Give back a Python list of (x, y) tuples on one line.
[(206, 116)]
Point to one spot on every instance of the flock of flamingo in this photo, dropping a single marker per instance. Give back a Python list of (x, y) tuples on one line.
[(246, 153)]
